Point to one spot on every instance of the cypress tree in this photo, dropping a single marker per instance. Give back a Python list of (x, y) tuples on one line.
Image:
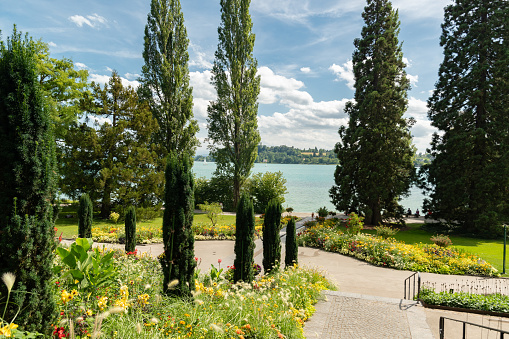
[(27, 185), (130, 229), (468, 178), (292, 250), (271, 239), (177, 261), (85, 217), (375, 153), (244, 240)]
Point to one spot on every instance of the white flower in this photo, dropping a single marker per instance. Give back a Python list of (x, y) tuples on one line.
[(8, 279)]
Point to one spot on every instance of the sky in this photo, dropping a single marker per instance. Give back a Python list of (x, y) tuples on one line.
[(303, 48)]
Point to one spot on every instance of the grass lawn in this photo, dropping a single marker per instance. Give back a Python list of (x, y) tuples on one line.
[(490, 250), (69, 226)]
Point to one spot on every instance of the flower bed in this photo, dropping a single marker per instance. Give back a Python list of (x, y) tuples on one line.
[(396, 254), (130, 305), (491, 302)]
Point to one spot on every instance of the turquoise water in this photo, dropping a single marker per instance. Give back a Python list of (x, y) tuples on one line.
[(308, 185)]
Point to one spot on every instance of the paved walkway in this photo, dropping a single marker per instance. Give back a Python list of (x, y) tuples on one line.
[(369, 302)]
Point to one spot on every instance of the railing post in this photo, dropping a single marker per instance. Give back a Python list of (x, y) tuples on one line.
[(441, 328), (464, 330), (418, 284), (404, 292)]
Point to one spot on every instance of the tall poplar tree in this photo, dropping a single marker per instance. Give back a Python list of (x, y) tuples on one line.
[(165, 77), (27, 185), (375, 152), (468, 179), (232, 118)]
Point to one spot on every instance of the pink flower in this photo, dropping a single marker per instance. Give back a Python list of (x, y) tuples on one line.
[(196, 258), (219, 260)]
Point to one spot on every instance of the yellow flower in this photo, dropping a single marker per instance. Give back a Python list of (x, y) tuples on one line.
[(6, 330)]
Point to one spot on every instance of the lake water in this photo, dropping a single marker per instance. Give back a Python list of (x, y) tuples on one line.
[(308, 185)]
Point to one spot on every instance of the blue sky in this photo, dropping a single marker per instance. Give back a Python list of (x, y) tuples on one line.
[(303, 48)]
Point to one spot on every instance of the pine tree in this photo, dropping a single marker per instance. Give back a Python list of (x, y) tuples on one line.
[(244, 240), (232, 118), (468, 178), (292, 250), (85, 217), (130, 229), (27, 185), (271, 238), (177, 261), (165, 77), (375, 153)]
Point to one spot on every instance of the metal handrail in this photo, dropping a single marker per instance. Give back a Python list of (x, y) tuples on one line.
[(412, 286), (465, 323)]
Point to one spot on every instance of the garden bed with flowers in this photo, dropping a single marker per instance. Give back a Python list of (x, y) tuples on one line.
[(120, 297), (389, 252)]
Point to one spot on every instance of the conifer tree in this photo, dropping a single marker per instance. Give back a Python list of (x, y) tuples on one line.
[(375, 152), (468, 179), (27, 185), (232, 118), (177, 261), (244, 240), (291, 248), (85, 217), (130, 229), (165, 77), (271, 238)]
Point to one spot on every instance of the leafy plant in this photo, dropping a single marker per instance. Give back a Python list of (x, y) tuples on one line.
[(322, 212), (114, 217), (86, 270), (354, 223), (489, 302), (213, 211), (441, 240), (385, 231)]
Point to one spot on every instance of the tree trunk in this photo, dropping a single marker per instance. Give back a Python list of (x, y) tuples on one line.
[(106, 201), (375, 218)]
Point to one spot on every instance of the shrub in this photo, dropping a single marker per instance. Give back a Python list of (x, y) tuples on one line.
[(213, 211), (292, 250), (322, 212), (354, 223), (441, 240), (271, 238), (130, 229), (244, 240), (114, 217), (385, 231), (264, 187), (85, 217)]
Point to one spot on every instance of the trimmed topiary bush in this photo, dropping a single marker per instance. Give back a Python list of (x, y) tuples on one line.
[(292, 250), (85, 217), (177, 260), (271, 239), (244, 241), (130, 229)]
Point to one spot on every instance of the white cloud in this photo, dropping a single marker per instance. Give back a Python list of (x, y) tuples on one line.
[(131, 76), (103, 79), (199, 58), (422, 9), (80, 65), (203, 93), (52, 44), (305, 70), (345, 73), (93, 20), (414, 79)]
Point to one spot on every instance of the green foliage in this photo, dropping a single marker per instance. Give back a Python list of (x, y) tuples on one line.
[(292, 249), (177, 261), (322, 212), (114, 217), (385, 231), (218, 188), (468, 179), (489, 302), (116, 162), (441, 240), (271, 237), (85, 217), (354, 223), (264, 187), (27, 184), (375, 153), (86, 270), (244, 240), (165, 77), (213, 211), (130, 229), (232, 118)]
